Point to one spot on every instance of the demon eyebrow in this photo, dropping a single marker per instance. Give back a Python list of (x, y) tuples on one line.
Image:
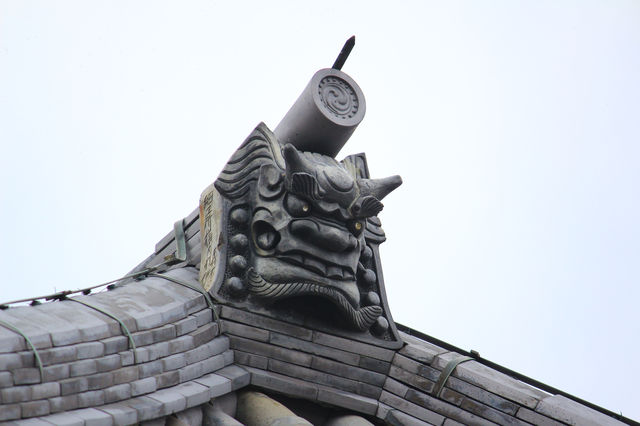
[(306, 185)]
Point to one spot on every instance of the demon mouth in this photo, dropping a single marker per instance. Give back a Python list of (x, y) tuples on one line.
[(313, 264), (361, 318)]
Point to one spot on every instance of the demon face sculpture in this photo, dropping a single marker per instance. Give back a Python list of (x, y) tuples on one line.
[(297, 224)]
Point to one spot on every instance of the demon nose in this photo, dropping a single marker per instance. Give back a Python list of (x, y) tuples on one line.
[(327, 237), (266, 237)]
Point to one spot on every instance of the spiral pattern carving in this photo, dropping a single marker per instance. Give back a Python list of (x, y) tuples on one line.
[(338, 97)]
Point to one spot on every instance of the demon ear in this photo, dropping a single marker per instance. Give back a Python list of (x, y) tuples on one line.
[(270, 181), (366, 207), (299, 180), (306, 185)]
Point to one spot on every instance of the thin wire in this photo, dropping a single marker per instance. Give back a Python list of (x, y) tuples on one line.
[(62, 294), (122, 324), (192, 287), (444, 374), (33, 348), (518, 376)]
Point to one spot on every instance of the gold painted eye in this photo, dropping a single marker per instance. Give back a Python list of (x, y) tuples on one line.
[(356, 227), (296, 206)]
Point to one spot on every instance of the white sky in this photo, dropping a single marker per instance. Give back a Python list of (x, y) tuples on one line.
[(514, 124)]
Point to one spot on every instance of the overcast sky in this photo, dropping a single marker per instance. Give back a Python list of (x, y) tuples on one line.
[(514, 124)]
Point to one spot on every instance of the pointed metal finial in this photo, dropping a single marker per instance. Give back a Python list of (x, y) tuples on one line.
[(326, 113), (344, 53)]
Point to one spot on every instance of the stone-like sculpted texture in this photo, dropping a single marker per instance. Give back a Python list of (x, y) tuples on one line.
[(290, 232), (300, 226)]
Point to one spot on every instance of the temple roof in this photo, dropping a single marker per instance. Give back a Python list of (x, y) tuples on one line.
[(157, 346)]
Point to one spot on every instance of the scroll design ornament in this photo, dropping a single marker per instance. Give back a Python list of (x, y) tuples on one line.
[(361, 318), (338, 97)]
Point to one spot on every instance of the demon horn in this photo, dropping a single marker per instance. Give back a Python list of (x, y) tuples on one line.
[(379, 188), (294, 161)]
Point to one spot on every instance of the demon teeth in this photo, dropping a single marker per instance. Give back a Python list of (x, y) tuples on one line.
[(315, 266), (293, 258), (334, 272)]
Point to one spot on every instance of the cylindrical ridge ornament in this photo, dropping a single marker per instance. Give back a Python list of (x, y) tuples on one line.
[(325, 115)]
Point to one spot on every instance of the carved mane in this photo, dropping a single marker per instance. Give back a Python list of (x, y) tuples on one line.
[(242, 170)]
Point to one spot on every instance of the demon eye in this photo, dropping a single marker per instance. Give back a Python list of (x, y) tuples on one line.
[(297, 206), (356, 227)]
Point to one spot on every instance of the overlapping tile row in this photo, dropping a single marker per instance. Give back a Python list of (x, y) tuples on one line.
[(155, 407), (307, 364), (395, 387), (88, 362), (473, 394), (184, 360)]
